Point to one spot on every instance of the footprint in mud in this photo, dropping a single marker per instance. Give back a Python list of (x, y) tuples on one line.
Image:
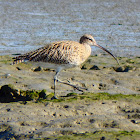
[(102, 86), (133, 114), (114, 81)]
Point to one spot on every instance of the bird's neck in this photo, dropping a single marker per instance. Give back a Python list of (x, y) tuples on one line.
[(88, 49)]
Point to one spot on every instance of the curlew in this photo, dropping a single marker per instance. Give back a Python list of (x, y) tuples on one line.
[(62, 55)]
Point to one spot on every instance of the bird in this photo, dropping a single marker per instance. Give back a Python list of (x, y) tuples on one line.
[(62, 55)]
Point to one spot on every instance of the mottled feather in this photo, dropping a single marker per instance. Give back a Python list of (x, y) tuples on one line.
[(62, 52)]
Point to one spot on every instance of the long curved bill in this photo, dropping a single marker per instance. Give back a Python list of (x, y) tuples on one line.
[(107, 52)]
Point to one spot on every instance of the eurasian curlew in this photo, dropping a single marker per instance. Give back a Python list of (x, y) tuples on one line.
[(62, 55)]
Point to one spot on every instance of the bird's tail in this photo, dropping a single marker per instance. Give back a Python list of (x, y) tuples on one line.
[(19, 59)]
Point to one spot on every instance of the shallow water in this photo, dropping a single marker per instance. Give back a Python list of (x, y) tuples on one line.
[(27, 25)]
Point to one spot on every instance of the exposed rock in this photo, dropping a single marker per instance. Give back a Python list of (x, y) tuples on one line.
[(8, 94), (94, 67), (38, 69), (124, 69)]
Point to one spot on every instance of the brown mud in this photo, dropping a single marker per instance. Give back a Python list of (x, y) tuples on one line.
[(109, 109)]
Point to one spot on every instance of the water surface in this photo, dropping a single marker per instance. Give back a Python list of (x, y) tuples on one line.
[(26, 25)]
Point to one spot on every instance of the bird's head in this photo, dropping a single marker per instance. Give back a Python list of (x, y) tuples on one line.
[(89, 40)]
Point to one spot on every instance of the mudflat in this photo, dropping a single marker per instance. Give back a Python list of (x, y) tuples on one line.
[(109, 109)]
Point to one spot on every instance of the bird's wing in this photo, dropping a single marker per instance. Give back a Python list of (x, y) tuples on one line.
[(58, 52)]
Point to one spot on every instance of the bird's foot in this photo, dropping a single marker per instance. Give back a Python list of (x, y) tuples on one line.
[(79, 88), (74, 86)]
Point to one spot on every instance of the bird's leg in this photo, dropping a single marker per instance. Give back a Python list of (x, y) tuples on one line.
[(55, 79)]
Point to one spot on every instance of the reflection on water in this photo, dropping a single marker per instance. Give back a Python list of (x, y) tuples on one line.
[(27, 25)]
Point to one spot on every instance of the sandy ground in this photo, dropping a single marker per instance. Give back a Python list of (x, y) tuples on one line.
[(100, 74)]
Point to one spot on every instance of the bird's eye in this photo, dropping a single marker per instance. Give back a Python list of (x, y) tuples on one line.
[(90, 39)]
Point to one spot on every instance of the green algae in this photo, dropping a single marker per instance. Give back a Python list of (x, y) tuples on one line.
[(96, 135), (41, 96), (71, 94), (107, 96), (34, 94), (131, 61), (5, 59), (92, 97), (100, 135), (30, 94)]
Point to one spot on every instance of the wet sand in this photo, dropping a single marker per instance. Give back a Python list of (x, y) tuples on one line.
[(78, 116)]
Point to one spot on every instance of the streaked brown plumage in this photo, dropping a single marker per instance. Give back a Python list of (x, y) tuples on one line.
[(62, 54)]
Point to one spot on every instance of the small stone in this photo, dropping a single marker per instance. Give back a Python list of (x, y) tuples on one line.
[(114, 101), (8, 93), (8, 109), (38, 69), (66, 106), (103, 102), (91, 120), (102, 138), (124, 69), (18, 68), (118, 69), (94, 67), (54, 114), (42, 94), (133, 121)]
